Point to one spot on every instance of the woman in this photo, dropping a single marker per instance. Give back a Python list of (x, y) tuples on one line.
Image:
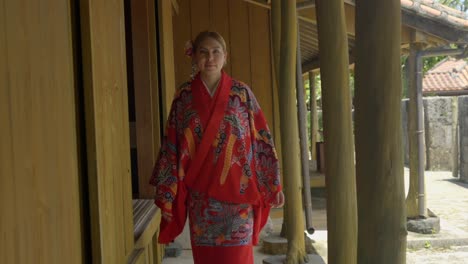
[(217, 162)]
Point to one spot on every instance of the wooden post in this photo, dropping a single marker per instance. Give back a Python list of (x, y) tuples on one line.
[(338, 132), (290, 135), (276, 42), (379, 155), (313, 117)]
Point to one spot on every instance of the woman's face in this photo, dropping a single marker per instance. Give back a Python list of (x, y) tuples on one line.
[(210, 57)]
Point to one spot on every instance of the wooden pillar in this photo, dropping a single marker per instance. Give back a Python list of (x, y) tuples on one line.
[(290, 134), (313, 117), (275, 22), (338, 132), (145, 82), (107, 129), (379, 155)]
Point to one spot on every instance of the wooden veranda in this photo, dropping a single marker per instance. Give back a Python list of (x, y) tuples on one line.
[(86, 86)]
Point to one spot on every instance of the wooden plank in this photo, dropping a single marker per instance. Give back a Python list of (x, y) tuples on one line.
[(9, 248), (167, 54), (182, 34), (107, 129), (144, 67), (260, 59), (200, 16), (219, 22), (240, 41), (38, 117)]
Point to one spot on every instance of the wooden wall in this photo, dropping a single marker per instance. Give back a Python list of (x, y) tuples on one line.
[(39, 180), (246, 29)]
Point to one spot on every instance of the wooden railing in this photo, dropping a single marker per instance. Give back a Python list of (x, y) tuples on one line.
[(146, 220)]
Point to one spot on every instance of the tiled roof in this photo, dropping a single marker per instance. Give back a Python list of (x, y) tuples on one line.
[(437, 11), (449, 75)]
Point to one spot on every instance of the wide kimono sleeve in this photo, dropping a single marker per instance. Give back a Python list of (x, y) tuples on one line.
[(170, 192), (265, 156), (266, 166)]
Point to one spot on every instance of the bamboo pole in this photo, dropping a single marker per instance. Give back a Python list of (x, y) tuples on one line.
[(412, 199), (339, 143), (290, 135), (302, 115), (313, 117), (379, 155)]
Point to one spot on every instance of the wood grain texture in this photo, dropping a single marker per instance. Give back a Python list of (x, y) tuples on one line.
[(166, 44), (379, 154), (219, 22), (260, 60), (39, 163), (182, 33), (107, 129), (240, 41)]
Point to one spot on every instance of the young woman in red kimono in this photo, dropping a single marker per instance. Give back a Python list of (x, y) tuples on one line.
[(217, 162)]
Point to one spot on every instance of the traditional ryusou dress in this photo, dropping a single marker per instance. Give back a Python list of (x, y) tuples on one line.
[(218, 166)]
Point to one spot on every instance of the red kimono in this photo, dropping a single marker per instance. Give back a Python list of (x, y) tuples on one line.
[(218, 164)]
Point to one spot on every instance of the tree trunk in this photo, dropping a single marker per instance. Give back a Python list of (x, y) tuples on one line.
[(338, 135), (276, 42), (379, 155), (290, 135)]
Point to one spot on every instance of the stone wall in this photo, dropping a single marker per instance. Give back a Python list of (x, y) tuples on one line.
[(463, 135), (439, 138), (441, 143)]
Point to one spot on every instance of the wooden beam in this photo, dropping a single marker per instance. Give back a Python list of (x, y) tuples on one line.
[(315, 63), (338, 133), (435, 28)]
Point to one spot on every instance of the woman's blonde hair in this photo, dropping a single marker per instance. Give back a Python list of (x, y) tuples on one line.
[(208, 34)]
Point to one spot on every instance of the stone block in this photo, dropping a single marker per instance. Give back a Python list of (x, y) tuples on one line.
[(438, 119), (429, 225), (277, 245)]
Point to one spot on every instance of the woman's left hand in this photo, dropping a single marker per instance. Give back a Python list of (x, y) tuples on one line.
[(279, 200)]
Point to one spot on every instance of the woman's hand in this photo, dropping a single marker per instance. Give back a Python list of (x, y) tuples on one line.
[(279, 200)]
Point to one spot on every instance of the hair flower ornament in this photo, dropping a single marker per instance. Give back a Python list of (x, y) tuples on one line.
[(189, 48)]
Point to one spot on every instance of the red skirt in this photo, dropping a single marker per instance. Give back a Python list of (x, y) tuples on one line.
[(220, 232)]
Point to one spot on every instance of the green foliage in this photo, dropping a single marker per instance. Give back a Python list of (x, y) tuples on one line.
[(429, 63), (461, 5)]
